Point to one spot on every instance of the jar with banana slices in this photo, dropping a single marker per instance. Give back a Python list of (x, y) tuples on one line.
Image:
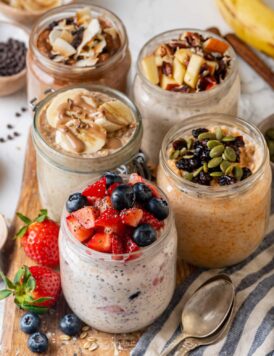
[(79, 133), (78, 43)]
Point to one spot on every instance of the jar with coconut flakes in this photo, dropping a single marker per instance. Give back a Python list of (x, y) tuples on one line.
[(79, 43), (79, 133)]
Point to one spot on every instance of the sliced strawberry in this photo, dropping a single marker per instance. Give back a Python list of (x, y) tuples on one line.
[(77, 230), (103, 204), (87, 216), (101, 241), (131, 217), (97, 189), (110, 219), (151, 220), (112, 188), (131, 247), (118, 247)]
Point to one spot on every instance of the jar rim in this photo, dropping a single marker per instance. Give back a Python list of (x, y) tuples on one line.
[(107, 257), (93, 88), (74, 7), (195, 95), (222, 119)]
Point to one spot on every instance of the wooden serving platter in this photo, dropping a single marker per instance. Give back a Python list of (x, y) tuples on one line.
[(14, 342)]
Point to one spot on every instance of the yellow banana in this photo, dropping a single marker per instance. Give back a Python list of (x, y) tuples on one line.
[(252, 21)]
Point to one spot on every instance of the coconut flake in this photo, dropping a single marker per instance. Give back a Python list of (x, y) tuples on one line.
[(63, 48), (92, 30), (86, 62)]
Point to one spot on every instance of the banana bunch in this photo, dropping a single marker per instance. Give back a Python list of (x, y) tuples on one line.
[(252, 21)]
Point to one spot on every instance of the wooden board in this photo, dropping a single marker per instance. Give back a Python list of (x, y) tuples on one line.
[(14, 342)]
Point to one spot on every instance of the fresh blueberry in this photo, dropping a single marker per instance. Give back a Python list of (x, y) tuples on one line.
[(75, 202), (30, 322), (227, 180), (197, 132), (38, 342), (142, 192), (144, 235), (70, 324), (123, 197), (158, 208), (112, 178)]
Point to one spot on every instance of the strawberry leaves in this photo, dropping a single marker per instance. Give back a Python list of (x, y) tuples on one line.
[(22, 289), (42, 216)]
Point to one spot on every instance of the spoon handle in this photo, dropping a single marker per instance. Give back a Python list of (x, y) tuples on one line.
[(186, 346), (174, 344)]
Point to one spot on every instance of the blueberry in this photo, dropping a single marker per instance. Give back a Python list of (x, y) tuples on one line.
[(142, 192), (197, 132), (29, 323), (75, 202), (203, 178), (70, 324), (123, 197), (144, 235), (112, 178), (227, 180), (38, 342), (158, 208)]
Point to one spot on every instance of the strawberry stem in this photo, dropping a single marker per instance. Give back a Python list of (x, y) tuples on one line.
[(42, 216)]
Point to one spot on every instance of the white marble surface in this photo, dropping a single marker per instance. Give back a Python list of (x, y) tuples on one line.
[(143, 19)]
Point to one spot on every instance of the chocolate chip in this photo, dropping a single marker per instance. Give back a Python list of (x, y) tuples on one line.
[(16, 134), (23, 109), (9, 137), (2, 140), (135, 295), (12, 57), (17, 114), (9, 126)]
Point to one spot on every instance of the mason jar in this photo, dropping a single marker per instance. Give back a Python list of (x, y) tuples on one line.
[(44, 73), (121, 294), (161, 109), (59, 172), (218, 225)]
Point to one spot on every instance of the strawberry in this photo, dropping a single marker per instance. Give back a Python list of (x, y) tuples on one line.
[(131, 217), (151, 220), (110, 220), (101, 241), (35, 288), (112, 188), (117, 245), (131, 247), (77, 230), (39, 239), (86, 216), (103, 204), (97, 189)]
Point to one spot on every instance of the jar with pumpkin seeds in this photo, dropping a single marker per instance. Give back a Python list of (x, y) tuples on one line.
[(215, 170), (77, 43)]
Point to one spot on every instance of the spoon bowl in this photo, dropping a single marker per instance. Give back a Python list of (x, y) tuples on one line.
[(206, 310)]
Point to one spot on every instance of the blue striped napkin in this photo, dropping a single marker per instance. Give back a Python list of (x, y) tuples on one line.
[(252, 329)]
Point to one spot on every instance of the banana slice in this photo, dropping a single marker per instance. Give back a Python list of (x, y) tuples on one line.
[(117, 112), (84, 138), (108, 125), (53, 110)]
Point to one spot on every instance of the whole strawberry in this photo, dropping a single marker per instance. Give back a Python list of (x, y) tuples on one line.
[(35, 288), (39, 239)]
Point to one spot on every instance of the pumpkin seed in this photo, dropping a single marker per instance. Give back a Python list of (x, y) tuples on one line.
[(217, 151), (189, 143), (197, 172), (205, 167), (230, 154), (219, 133), (270, 133), (171, 154), (188, 156), (207, 136), (228, 139), (238, 172), (215, 162), (176, 154), (224, 165), (216, 174), (183, 151), (188, 176), (229, 169), (213, 143)]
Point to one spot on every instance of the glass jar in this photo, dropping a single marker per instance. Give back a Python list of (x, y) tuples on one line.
[(121, 294), (44, 73), (161, 109), (218, 226), (58, 173)]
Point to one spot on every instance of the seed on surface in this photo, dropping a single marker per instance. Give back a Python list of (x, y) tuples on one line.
[(228, 139), (65, 337), (224, 165), (230, 154), (94, 346), (85, 328), (219, 133), (197, 172), (87, 345), (207, 136), (205, 167), (188, 176), (189, 143), (217, 151), (92, 339), (238, 172), (213, 143), (215, 162), (216, 174), (83, 335)]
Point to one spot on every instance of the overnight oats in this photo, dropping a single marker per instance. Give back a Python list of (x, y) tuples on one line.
[(79, 133), (215, 170), (118, 253), (74, 44), (182, 73)]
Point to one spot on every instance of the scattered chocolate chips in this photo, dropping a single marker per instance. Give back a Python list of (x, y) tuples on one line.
[(135, 295), (2, 140), (12, 57), (9, 126), (16, 134), (9, 137), (17, 114), (23, 109)]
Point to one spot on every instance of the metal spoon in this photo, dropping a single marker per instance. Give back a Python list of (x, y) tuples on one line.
[(206, 310)]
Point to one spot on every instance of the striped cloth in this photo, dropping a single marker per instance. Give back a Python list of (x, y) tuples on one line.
[(252, 329)]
